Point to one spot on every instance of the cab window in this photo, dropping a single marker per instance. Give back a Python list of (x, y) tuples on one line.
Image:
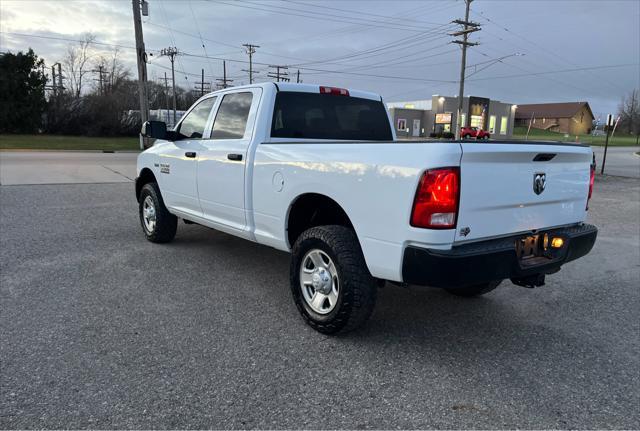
[(231, 118), (193, 125)]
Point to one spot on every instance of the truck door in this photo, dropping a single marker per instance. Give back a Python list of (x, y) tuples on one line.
[(223, 158), (178, 161)]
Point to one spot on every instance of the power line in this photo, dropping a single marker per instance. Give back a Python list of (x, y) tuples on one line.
[(389, 45), (359, 13), (66, 39), (577, 69), (543, 49), (204, 48), (333, 71), (318, 15)]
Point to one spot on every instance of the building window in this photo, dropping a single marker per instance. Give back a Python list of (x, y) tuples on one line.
[(544, 120), (503, 125), (402, 124), (492, 124), (477, 121)]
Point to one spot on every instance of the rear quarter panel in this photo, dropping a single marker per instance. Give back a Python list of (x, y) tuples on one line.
[(374, 183)]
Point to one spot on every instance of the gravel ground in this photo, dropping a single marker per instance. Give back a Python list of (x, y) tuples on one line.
[(101, 329)]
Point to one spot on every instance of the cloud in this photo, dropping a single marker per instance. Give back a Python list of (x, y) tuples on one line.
[(343, 43)]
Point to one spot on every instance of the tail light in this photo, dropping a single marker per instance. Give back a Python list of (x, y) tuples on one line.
[(592, 178), (436, 202), (334, 90)]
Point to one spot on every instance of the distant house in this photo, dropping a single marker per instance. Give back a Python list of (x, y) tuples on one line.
[(574, 118)]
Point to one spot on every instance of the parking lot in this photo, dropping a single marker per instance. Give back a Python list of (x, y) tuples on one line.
[(101, 329)]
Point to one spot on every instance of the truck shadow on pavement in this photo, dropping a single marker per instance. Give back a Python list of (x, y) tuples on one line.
[(414, 313)]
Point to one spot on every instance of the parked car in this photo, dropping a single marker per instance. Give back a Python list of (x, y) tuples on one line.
[(474, 132), (317, 171)]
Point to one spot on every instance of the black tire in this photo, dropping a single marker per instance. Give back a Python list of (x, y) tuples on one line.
[(357, 288), (476, 290), (166, 223), (466, 136)]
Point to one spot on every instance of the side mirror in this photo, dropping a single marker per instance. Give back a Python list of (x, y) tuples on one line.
[(154, 129)]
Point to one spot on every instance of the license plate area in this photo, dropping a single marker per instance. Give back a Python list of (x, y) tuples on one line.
[(533, 250)]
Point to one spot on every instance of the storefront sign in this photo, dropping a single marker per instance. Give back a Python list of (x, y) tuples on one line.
[(444, 118)]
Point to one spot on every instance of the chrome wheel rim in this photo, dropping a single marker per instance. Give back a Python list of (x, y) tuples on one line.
[(149, 214), (319, 281)]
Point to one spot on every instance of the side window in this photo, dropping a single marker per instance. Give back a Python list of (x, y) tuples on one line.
[(194, 123), (231, 119)]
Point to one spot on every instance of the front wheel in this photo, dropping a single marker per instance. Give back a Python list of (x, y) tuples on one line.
[(475, 290), (466, 136), (158, 224), (330, 281)]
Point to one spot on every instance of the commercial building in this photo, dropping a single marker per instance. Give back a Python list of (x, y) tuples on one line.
[(574, 118), (423, 118)]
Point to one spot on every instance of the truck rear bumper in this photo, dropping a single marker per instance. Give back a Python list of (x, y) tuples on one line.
[(496, 259)]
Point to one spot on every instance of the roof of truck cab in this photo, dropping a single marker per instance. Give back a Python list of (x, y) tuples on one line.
[(303, 88)]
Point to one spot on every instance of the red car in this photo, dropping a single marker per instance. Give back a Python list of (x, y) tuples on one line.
[(474, 132)]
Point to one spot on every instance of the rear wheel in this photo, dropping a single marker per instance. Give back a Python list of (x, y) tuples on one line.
[(466, 136), (158, 224), (330, 281), (475, 290)]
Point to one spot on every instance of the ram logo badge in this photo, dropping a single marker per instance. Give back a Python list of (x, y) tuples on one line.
[(539, 182), (165, 168)]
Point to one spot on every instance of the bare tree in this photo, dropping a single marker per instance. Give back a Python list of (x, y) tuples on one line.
[(76, 63), (629, 112), (113, 72)]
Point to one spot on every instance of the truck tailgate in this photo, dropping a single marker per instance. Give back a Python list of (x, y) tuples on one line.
[(509, 188)]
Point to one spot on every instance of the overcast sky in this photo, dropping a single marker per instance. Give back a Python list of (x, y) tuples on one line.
[(573, 50)]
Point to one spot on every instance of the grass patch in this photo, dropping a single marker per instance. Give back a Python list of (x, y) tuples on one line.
[(57, 142), (618, 140)]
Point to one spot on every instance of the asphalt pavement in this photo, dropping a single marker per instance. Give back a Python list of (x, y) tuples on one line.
[(66, 167), (101, 329), (621, 161)]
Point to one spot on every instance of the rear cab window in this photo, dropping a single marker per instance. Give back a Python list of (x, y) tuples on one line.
[(231, 118), (300, 115)]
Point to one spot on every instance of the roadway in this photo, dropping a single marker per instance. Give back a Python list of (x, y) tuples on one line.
[(101, 329)]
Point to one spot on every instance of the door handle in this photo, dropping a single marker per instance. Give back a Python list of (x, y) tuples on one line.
[(235, 157), (190, 154)]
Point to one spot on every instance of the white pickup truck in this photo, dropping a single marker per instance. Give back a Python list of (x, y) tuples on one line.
[(317, 171)]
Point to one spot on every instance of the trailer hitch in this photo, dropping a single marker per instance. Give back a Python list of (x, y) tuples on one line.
[(529, 282)]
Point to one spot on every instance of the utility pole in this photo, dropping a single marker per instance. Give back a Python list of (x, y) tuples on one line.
[(298, 77), (100, 72), (223, 82), (141, 59), (203, 85), (251, 49), (60, 77), (468, 27), (166, 94), (278, 75), (171, 52), (53, 80)]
